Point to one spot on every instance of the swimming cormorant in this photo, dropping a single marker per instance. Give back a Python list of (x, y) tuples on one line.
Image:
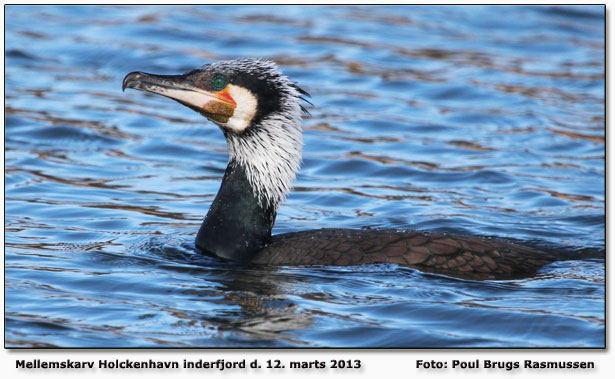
[(259, 110)]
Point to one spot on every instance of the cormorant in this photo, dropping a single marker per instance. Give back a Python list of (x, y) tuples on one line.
[(259, 111)]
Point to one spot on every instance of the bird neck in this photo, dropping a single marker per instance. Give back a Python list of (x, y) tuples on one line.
[(237, 225), (270, 153), (263, 162)]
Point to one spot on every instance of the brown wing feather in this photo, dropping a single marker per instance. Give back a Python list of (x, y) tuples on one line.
[(457, 255)]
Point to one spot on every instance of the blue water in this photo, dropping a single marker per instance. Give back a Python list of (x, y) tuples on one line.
[(480, 120)]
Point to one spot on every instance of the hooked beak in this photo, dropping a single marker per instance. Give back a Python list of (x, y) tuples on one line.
[(213, 105)]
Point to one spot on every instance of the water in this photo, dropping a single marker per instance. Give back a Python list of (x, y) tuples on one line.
[(474, 120)]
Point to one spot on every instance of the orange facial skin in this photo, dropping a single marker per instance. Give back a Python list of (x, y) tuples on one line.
[(226, 96), (222, 108)]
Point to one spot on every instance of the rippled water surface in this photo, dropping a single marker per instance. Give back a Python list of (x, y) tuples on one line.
[(474, 120)]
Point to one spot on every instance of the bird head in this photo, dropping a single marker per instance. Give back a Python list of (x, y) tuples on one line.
[(234, 94)]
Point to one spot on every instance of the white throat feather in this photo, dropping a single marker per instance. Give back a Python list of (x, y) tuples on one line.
[(270, 152)]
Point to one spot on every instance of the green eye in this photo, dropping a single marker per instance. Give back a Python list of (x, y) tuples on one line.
[(219, 83)]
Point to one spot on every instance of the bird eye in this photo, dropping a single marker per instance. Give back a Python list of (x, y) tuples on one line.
[(219, 83)]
